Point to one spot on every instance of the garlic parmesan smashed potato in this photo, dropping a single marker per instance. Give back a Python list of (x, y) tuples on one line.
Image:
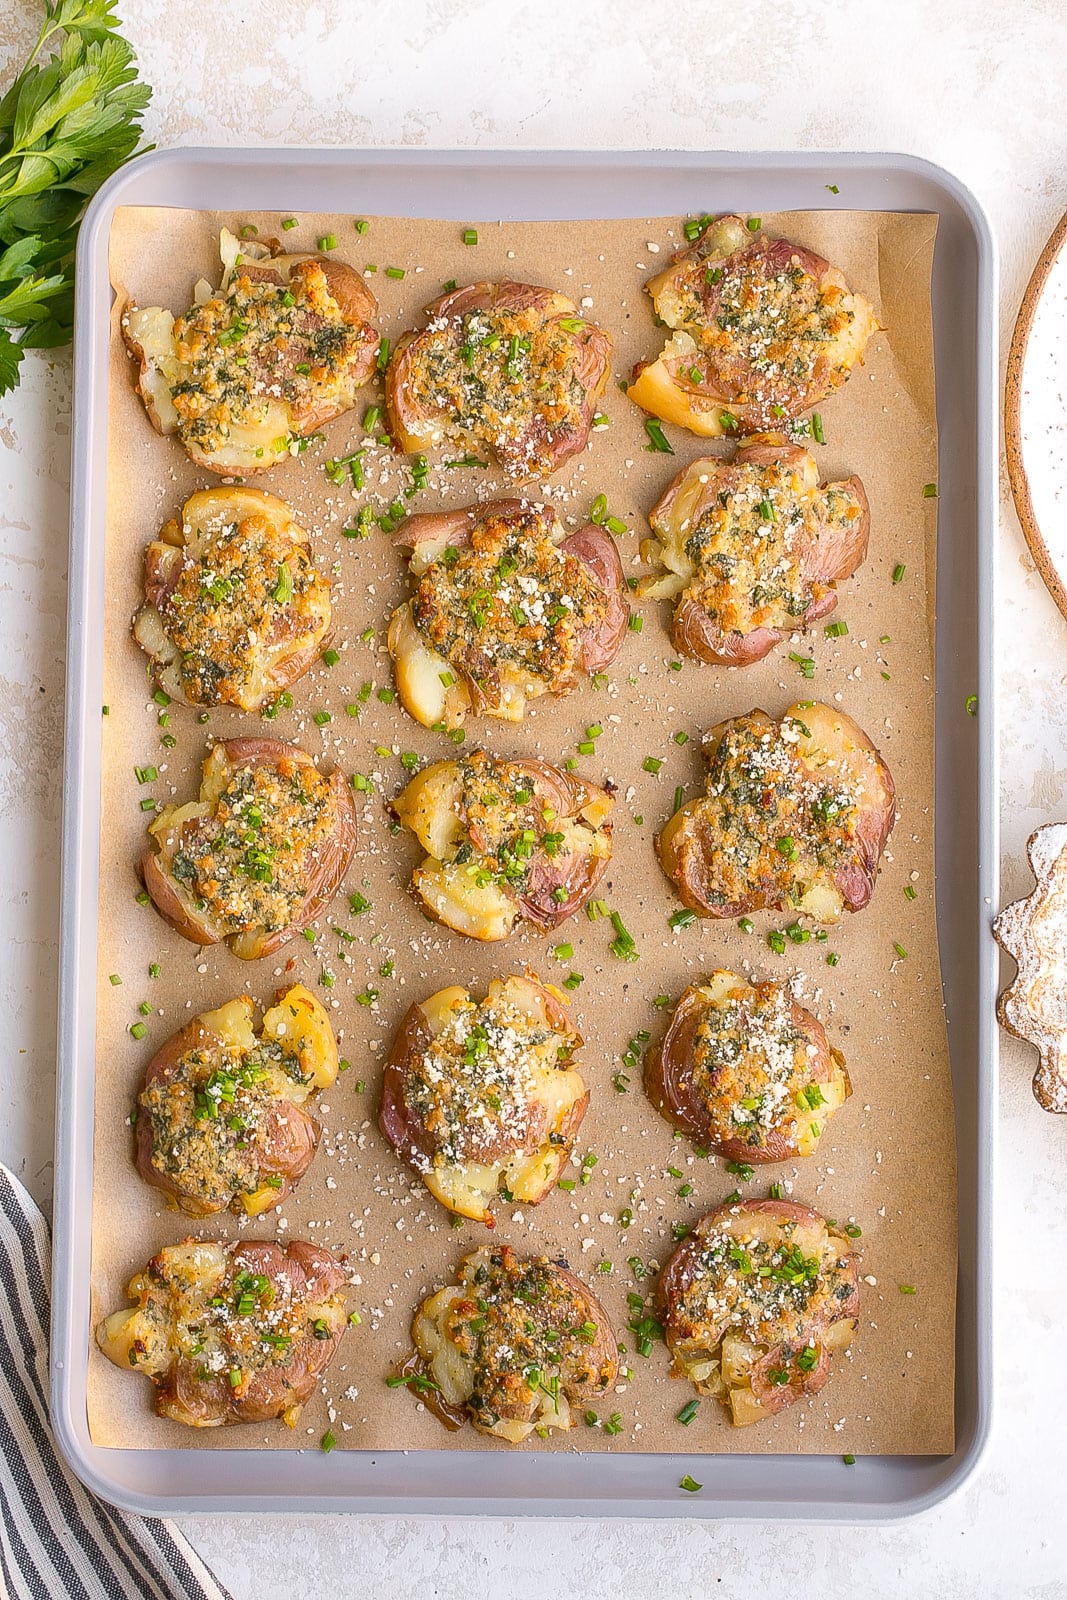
[(231, 1332), (752, 549), (514, 1346), (762, 331), (482, 1098), (746, 1070), (506, 607), (505, 841), (795, 816), (505, 367), (221, 1119), (280, 348), (234, 608), (754, 1302), (261, 852)]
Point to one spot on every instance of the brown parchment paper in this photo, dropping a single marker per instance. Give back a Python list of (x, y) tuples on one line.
[(887, 1161)]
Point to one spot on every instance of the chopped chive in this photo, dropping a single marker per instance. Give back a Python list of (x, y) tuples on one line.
[(909, 891), (573, 980), (690, 1485), (899, 571), (832, 959), (321, 718), (900, 950), (929, 491), (816, 428), (154, 969), (688, 1412), (327, 1442), (682, 919), (586, 748), (657, 439), (386, 696), (328, 241), (138, 1030), (776, 940), (470, 236), (652, 764), (678, 800), (836, 630), (114, 980), (599, 509), (637, 622), (289, 222), (970, 705), (907, 1288), (283, 588), (394, 272), (563, 952), (850, 1461), (746, 924)]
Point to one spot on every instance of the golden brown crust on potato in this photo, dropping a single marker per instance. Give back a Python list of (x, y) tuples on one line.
[(234, 609), (505, 841), (796, 815), (745, 1070), (279, 350), (221, 1118), (752, 549), (260, 854), (506, 607), (231, 1332), (508, 367), (482, 1098), (763, 331), (754, 1300), (513, 1345)]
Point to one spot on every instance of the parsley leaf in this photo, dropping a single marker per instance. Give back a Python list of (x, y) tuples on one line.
[(69, 120)]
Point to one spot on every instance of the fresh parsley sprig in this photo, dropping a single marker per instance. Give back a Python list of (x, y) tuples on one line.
[(70, 119)]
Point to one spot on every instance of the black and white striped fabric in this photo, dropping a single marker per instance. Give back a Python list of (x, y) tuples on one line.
[(58, 1541)]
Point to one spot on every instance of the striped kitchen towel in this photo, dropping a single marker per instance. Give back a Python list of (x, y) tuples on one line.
[(58, 1541)]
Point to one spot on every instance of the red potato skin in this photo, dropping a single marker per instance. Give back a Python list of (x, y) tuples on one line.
[(574, 871), (603, 1355), (855, 878), (332, 866), (287, 1140), (670, 1087), (590, 545), (833, 555), (303, 1271), (162, 570), (678, 1274), (357, 303), (552, 445), (730, 381), (405, 1131)]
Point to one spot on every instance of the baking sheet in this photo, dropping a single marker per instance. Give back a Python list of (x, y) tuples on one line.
[(887, 1160)]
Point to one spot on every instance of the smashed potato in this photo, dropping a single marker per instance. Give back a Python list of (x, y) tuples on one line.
[(754, 1302), (259, 855), (230, 1332), (506, 841), (763, 330), (482, 1098), (745, 1070), (515, 1346), (752, 549), (796, 815), (280, 348), (506, 367), (221, 1119), (234, 609), (506, 607)]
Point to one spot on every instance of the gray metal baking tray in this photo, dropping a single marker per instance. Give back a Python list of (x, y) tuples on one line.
[(526, 185)]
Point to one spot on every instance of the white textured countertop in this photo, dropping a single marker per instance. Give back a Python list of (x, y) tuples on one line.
[(978, 87)]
